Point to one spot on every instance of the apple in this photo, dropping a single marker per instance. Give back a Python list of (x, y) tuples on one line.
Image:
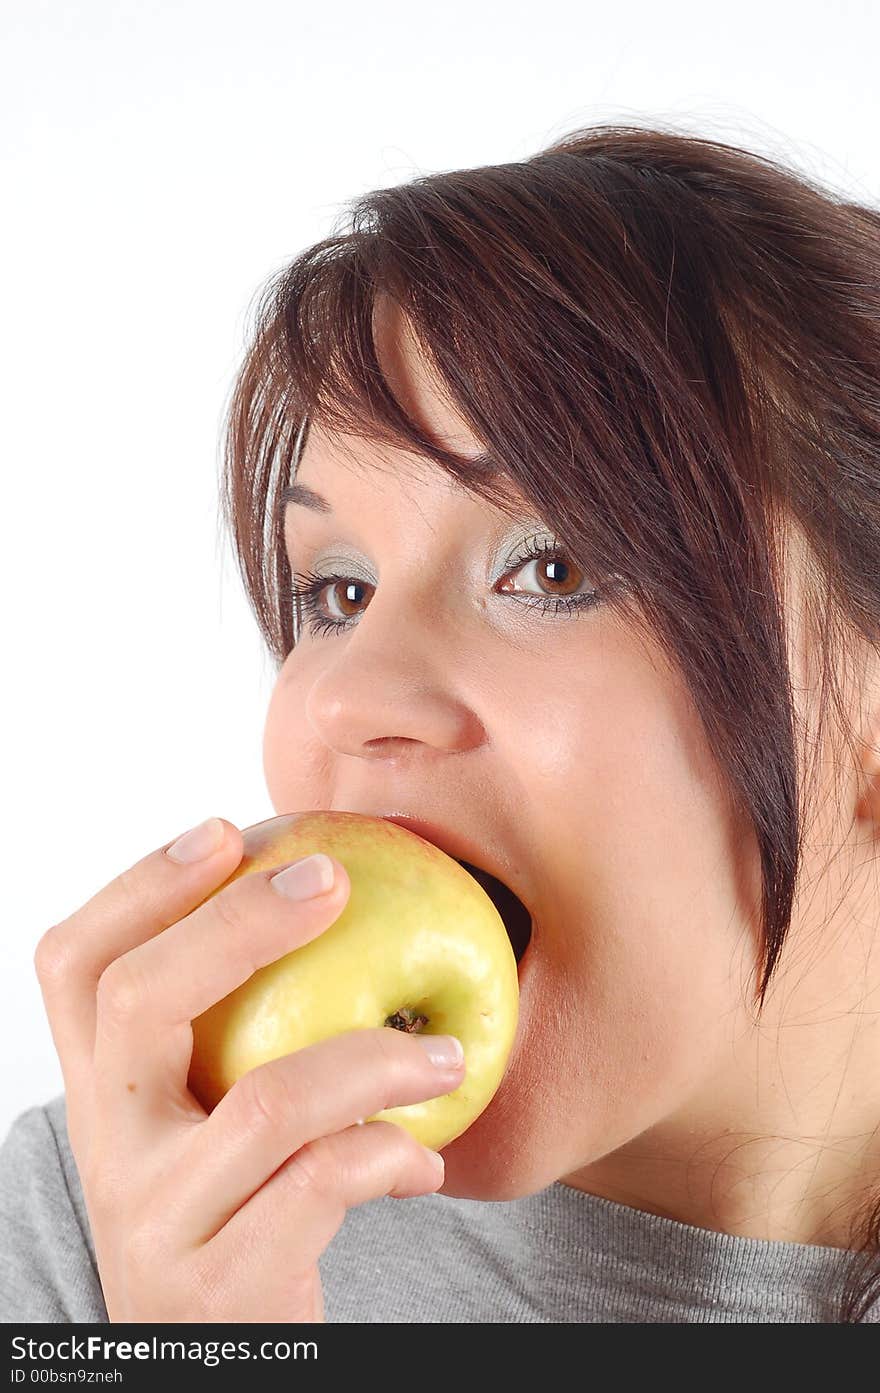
[(419, 946)]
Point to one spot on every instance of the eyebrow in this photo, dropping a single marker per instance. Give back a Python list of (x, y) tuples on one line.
[(305, 497), (308, 498)]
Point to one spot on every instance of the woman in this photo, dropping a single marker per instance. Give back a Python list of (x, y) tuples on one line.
[(582, 569)]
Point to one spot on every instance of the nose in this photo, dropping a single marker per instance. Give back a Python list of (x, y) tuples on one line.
[(394, 695)]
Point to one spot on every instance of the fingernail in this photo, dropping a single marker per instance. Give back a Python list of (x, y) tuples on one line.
[(305, 879), (198, 844), (444, 1051)]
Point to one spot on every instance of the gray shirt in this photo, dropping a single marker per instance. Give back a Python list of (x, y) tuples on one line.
[(556, 1256)]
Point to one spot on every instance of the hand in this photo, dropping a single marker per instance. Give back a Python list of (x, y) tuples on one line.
[(220, 1216)]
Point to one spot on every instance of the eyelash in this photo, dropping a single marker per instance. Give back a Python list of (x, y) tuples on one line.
[(306, 588)]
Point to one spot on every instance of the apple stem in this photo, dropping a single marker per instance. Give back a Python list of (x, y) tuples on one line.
[(406, 1019)]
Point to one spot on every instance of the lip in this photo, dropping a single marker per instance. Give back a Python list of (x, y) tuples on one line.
[(462, 848)]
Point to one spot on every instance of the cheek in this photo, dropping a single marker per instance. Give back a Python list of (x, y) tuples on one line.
[(630, 1009), (274, 747), (650, 891), (295, 767), (665, 977)]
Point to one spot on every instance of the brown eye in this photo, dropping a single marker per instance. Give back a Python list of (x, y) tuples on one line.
[(556, 578), (347, 595), (332, 604), (308, 593)]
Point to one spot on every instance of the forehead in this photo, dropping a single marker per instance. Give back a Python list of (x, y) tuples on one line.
[(323, 455), (425, 398), (413, 380), (358, 471)]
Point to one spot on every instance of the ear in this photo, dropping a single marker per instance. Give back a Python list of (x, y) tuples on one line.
[(868, 805)]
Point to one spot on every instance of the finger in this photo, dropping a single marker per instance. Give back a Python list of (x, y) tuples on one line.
[(141, 902), (148, 998), (285, 1227), (279, 1107)]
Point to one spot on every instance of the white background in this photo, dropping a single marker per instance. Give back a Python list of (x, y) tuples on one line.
[(158, 161)]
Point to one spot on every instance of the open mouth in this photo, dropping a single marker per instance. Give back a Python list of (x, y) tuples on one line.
[(517, 919)]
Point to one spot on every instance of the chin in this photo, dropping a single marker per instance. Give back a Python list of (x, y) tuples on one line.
[(504, 1154), (508, 1151), (475, 1173)]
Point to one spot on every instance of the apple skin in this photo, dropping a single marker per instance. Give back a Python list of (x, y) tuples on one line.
[(417, 935)]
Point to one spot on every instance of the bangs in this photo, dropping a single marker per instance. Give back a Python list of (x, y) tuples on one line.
[(579, 392), (320, 319)]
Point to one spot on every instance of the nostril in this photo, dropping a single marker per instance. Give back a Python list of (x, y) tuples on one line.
[(517, 919)]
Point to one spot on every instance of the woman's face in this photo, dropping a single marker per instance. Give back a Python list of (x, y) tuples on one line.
[(559, 744)]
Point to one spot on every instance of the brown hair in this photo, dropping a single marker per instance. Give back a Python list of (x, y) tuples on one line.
[(669, 345)]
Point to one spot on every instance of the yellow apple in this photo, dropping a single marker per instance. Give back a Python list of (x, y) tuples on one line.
[(419, 946)]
